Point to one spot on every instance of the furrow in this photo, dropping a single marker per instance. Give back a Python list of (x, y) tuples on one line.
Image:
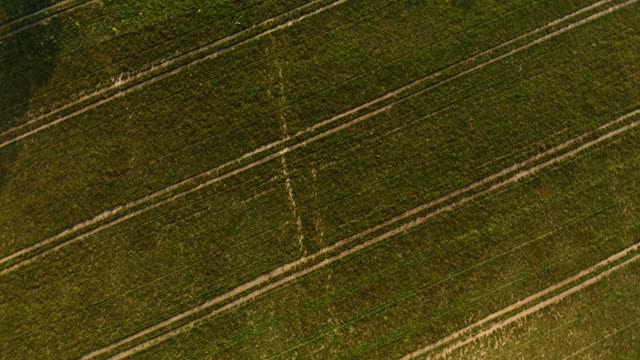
[(159, 72), (273, 275), (204, 179)]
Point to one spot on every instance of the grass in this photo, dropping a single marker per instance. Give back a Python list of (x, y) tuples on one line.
[(126, 37), (36, 57), (227, 123), (249, 215), (466, 140), (454, 269), (600, 322), (384, 301)]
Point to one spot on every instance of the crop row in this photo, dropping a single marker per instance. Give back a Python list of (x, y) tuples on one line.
[(122, 151), (600, 322), (418, 287), (120, 248), (121, 39)]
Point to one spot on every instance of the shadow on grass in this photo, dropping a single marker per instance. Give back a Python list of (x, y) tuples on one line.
[(28, 60)]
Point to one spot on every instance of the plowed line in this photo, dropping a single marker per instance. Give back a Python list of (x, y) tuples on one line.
[(213, 172), (613, 333), (233, 37), (282, 103), (161, 68), (51, 16), (528, 311), (327, 250), (586, 272), (37, 13)]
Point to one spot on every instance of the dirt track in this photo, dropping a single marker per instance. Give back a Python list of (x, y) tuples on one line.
[(462, 332), (551, 301), (128, 85), (327, 261), (199, 181)]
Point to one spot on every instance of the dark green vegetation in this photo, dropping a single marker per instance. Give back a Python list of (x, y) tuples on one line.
[(599, 323), (33, 56), (176, 250), (454, 270), (12, 10)]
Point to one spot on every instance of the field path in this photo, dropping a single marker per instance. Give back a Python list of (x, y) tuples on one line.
[(330, 249), (546, 303), (281, 101), (230, 38), (55, 6), (215, 175), (159, 72), (4, 36), (537, 296)]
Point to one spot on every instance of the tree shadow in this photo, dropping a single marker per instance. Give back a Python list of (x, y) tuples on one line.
[(28, 60)]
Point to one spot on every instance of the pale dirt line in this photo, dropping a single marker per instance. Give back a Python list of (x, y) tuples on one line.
[(282, 101), (256, 151), (285, 268), (316, 126), (41, 11), (156, 195), (285, 168), (36, 23), (531, 44), (170, 188), (292, 203), (586, 272), (551, 301), (439, 73), (613, 333), (170, 73)]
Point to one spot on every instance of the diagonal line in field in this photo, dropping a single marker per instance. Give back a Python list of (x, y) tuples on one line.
[(55, 6), (281, 100), (582, 283), (39, 21), (161, 71), (521, 172), (213, 176), (124, 92)]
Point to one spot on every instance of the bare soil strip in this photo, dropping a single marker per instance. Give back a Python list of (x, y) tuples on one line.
[(161, 71), (40, 21), (282, 102), (456, 336), (214, 175), (522, 173), (123, 83), (58, 6), (546, 303), (292, 202)]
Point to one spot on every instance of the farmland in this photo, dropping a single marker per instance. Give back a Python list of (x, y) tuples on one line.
[(319, 179)]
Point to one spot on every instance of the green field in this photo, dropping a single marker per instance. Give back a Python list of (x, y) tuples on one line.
[(319, 179)]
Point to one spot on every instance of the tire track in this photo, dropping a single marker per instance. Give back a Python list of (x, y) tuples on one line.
[(145, 73), (607, 336), (44, 19), (159, 72), (520, 173), (215, 175), (60, 4), (581, 284)]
